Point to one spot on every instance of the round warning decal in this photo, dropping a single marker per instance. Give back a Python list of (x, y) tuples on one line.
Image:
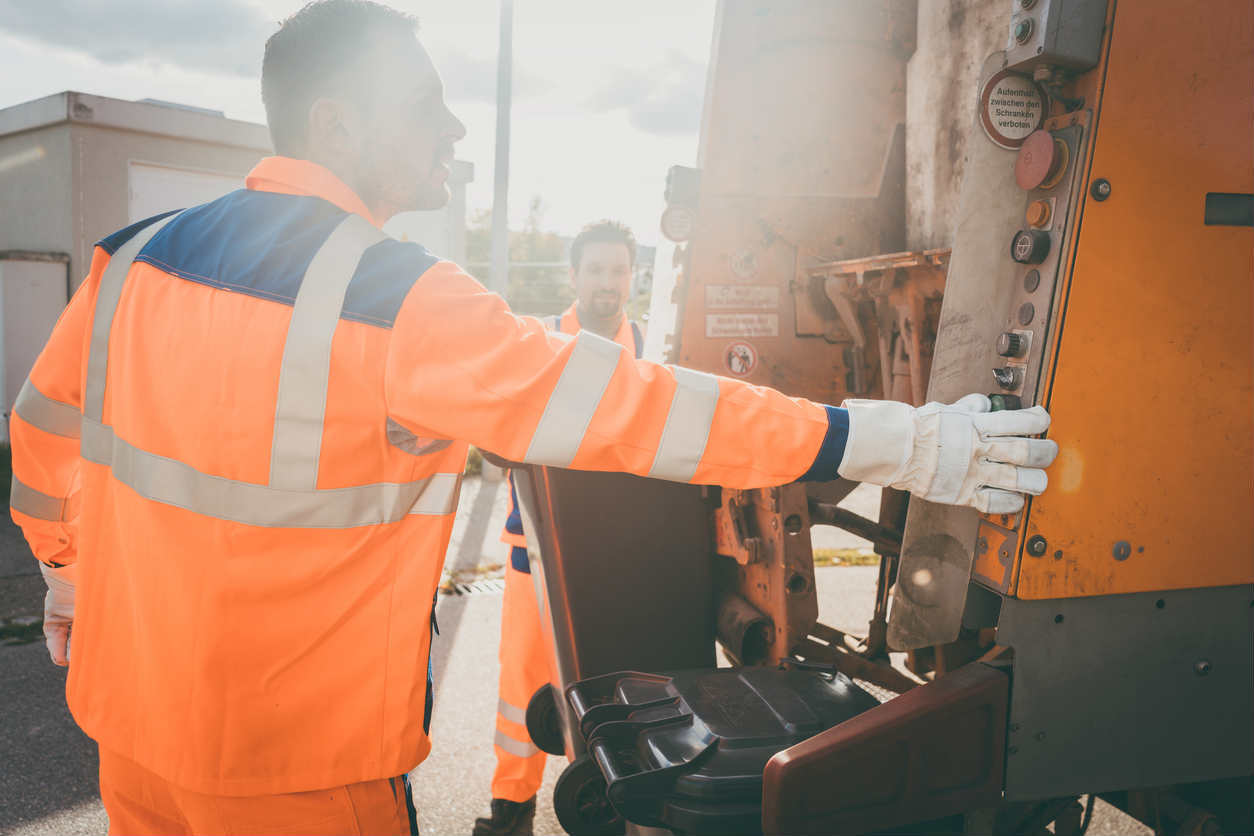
[(677, 223), (1012, 106), (744, 264), (740, 358)]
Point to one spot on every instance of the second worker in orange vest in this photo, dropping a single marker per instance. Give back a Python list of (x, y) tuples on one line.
[(237, 458), (602, 258)]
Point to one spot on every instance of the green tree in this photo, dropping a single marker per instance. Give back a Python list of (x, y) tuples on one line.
[(539, 280)]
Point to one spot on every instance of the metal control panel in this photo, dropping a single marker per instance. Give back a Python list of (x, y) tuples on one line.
[(1037, 251), (1047, 172), (984, 286), (1055, 33), (1046, 168)]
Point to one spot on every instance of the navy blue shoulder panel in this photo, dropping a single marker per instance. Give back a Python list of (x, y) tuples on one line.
[(260, 244), (256, 243), (384, 276), (110, 243)]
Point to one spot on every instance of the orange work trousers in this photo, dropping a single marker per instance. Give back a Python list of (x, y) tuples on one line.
[(141, 802), (524, 668)]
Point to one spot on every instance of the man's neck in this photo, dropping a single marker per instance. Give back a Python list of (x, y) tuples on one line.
[(606, 327), (379, 211)]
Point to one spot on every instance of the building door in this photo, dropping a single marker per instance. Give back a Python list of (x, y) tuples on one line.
[(157, 188)]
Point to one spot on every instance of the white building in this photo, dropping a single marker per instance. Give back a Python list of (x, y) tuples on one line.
[(76, 167)]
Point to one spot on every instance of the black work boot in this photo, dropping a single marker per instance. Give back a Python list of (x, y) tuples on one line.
[(509, 818)]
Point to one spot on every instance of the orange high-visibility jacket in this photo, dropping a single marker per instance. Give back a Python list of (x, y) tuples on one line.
[(247, 430), (630, 338)]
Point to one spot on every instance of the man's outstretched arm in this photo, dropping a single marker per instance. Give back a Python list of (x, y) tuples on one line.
[(462, 366)]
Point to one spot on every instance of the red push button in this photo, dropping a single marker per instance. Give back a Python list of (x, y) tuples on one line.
[(1041, 162)]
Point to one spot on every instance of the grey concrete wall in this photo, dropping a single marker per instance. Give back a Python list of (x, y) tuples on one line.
[(101, 156), (32, 295), (954, 38), (35, 188)]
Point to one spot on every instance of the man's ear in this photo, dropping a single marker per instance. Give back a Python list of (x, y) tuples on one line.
[(572, 279), (329, 126)]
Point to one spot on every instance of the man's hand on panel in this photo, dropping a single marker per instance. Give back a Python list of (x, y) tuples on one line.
[(956, 454)]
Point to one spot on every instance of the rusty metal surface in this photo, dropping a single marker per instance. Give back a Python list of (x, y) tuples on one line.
[(886, 304), (767, 533), (932, 752)]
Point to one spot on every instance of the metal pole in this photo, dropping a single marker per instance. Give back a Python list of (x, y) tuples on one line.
[(500, 195)]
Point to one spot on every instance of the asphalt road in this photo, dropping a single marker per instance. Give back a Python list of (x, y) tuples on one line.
[(48, 767)]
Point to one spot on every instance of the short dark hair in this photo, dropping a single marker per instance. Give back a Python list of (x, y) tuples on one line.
[(603, 232), (311, 55)]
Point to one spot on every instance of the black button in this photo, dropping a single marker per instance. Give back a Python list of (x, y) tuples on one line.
[(1030, 246)]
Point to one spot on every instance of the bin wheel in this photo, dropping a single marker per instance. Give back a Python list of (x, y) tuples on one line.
[(580, 802), (544, 724)]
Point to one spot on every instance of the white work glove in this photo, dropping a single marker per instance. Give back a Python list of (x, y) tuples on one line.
[(58, 611), (960, 454)]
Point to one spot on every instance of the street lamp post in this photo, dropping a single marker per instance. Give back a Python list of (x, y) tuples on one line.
[(499, 277)]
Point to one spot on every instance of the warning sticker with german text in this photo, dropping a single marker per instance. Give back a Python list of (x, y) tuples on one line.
[(742, 325), (1012, 106), (752, 296)]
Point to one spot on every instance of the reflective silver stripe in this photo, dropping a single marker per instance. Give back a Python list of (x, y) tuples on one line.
[(515, 747), (574, 400), (302, 399), (35, 503), (439, 495), (687, 426), (511, 712), (107, 297), (174, 483), (299, 415), (403, 439), (39, 410)]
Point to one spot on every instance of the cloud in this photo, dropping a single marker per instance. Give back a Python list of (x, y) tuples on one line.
[(225, 37), (664, 98), (468, 78)]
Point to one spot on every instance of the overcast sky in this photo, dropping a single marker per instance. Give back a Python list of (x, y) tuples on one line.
[(607, 95)]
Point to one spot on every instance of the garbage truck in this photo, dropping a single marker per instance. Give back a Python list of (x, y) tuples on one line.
[(1048, 201)]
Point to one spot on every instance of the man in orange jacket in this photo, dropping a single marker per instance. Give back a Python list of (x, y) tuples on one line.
[(237, 458), (602, 258)]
